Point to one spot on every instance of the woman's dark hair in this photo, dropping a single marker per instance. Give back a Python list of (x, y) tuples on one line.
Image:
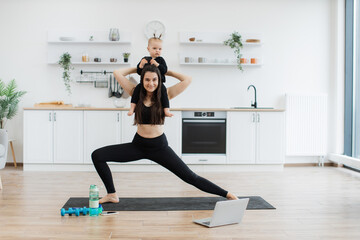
[(157, 115)]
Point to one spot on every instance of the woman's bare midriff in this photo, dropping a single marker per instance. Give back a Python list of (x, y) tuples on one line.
[(150, 131)]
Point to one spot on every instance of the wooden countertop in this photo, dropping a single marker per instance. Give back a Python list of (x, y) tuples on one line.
[(171, 109)]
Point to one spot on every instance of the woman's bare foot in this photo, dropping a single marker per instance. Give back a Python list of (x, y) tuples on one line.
[(112, 197), (231, 196)]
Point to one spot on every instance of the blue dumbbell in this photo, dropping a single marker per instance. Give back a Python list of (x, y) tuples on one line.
[(71, 211)]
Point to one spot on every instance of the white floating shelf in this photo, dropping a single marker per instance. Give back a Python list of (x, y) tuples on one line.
[(219, 43), (96, 63), (92, 42), (220, 64)]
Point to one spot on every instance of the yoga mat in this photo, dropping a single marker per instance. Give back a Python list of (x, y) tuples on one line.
[(166, 204)]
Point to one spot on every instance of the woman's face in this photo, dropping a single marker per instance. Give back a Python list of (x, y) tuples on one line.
[(150, 81)]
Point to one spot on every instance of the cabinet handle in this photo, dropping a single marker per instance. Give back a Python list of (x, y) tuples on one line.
[(118, 117), (253, 118), (50, 117), (202, 160), (54, 117), (258, 117)]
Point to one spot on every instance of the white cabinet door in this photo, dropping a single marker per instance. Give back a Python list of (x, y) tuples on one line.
[(241, 137), (68, 136), (101, 128), (172, 129), (270, 138), (128, 131), (38, 136)]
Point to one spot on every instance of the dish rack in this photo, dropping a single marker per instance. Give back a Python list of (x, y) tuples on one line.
[(100, 79)]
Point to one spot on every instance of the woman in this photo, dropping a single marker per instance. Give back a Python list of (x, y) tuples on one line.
[(149, 141)]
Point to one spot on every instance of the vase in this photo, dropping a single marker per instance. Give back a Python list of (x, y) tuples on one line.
[(114, 34), (4, 142)]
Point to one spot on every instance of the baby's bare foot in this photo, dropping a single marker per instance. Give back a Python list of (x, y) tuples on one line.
[(112, 197), (231, 196), (168, 113)]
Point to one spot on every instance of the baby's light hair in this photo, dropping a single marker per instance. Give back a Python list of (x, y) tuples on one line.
[(154, 39)]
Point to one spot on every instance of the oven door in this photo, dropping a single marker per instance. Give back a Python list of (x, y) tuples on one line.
[(204, 136)]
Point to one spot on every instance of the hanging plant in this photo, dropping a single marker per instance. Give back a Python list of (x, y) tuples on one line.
[(65, 63), (234, 42)]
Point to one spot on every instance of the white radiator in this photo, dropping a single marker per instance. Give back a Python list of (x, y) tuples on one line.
[(306, 125)]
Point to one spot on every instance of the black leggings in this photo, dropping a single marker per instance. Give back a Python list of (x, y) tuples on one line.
[(155, 149)]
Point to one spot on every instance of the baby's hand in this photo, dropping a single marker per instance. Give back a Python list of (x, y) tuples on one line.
[(153, 62), (143, 62)]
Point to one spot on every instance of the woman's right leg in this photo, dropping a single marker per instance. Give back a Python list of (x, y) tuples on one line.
[(126, 152)]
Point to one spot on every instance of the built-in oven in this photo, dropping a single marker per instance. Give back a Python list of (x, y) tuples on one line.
[(204, 137)]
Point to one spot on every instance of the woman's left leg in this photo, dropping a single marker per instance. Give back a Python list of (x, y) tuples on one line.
[(167, 158)]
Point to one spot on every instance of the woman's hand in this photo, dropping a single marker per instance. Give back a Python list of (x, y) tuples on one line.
[(123, 81), (178, 88)]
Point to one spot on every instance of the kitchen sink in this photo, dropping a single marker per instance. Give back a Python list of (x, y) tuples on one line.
[(252, 108)]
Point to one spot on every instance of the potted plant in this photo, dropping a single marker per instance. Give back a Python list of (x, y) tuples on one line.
[(65, 63), (235, 43), (9, 100), (126, 56)]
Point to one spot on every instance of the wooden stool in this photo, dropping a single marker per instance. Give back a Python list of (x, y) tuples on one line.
[(12, 151)]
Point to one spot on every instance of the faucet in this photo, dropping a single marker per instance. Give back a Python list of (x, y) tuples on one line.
[(255, 103)]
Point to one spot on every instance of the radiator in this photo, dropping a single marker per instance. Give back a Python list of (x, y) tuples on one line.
[(306, 125)]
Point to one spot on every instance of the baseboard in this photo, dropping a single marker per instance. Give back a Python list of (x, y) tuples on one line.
[(307, 164), (10, 164)]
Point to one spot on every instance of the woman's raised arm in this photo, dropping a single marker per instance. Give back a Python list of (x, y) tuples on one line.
[(123, 81), (178, 88)]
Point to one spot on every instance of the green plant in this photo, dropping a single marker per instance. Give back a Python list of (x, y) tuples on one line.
[(235, 43), (9, 100), (126, 55), (65, 63)]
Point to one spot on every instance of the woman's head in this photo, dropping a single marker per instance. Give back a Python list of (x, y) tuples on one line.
[(150, 78), (150, 86)]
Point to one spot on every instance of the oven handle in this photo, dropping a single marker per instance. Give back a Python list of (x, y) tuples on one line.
[(204, 121)]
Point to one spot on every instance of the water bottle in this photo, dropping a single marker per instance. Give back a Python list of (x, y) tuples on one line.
[(94, 200)]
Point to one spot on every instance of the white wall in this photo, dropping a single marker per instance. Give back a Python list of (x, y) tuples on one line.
[(298, 48)]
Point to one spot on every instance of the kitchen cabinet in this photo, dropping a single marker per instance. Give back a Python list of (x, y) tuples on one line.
[(101, 128), (208, 49), (255, 137), (38, 136), (172, 129), (53, 136)]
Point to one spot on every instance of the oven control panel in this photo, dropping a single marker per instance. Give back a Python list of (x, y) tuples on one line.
[(198, 114), (204, 114)]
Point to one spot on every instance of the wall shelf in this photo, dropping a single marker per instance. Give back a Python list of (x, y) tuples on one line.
[(95, 63), (91, 42), (210, 46), (220, 64), (218, 43), (79, 44)]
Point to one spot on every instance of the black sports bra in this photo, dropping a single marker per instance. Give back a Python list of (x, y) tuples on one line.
[(146, 115)]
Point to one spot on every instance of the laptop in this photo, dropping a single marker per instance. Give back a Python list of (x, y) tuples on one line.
[(225, 212)]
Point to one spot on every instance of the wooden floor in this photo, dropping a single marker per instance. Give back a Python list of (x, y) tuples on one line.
[(311, 202)]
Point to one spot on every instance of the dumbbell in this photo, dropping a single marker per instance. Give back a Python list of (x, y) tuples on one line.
[(71, 211)]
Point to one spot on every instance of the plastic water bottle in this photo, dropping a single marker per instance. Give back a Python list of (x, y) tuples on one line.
[(94, 200)]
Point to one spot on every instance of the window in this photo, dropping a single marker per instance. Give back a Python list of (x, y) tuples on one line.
[(356, 82), (352, 79)]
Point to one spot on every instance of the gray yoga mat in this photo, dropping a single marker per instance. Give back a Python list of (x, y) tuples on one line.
[(166, 204)]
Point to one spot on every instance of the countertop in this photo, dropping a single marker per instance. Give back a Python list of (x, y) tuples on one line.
[(171, 109)]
